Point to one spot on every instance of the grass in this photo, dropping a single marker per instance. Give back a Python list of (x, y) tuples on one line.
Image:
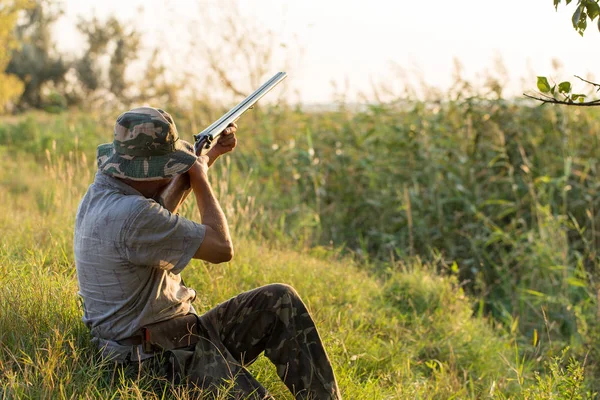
[(394, 300)]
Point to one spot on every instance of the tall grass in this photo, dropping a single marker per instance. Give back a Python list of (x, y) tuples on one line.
[(379, 349), (508, 193), (397, 223)]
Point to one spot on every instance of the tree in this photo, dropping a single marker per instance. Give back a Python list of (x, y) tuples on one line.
[(562, 93), (111, 48), (155, 87), (11, 87), (37, 62)]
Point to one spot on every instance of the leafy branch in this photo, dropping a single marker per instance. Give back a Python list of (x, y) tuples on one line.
[(562, 93), (586, 9)]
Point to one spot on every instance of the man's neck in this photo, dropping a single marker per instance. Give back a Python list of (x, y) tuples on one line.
[(148, 189)]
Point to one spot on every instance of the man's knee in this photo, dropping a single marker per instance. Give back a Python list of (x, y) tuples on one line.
[(279, 290)]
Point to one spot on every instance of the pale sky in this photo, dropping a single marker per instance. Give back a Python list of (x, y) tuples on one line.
[(357, 42)]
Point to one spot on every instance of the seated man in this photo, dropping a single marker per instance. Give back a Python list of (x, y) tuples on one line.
[(130, 251)]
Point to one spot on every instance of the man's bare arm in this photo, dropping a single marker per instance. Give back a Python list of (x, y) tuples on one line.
[(226, 143), (216, 246)]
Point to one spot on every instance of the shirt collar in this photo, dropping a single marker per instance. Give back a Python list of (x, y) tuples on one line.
[(114, 183)]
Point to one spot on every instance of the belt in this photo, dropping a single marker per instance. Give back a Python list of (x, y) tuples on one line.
[(174, 333)]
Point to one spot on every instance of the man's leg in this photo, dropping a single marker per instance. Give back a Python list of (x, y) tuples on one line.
[(274, 319), (209, 367)]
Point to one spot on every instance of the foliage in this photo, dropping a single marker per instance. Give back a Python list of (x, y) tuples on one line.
[(11, 87), (501, 195), (403, 218), (237, 60), (110, 39), (155, 87), (586, 9), (505, 194), (53, 81), (560, 382), (36, 62), (408, 336), (562, 93)]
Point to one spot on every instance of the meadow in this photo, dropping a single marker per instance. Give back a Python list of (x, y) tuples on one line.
[(447, 249)]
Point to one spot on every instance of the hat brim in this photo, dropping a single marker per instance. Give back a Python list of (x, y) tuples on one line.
[(150, 168)]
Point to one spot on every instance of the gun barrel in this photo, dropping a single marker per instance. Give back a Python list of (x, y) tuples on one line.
[(175, 193), (206, 137)]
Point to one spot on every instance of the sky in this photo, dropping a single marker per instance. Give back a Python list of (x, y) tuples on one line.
[(332, 46)]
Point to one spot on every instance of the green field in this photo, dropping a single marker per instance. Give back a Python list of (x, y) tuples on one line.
[(447, 250)]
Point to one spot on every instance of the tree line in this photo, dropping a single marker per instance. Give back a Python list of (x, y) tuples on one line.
[(34, 74)]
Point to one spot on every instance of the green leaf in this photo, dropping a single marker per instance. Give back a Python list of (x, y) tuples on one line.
[(576, 96), (576, 282), (514, 325), (542, 84), (454, 267), (534, 292), (582, 24), (577, 16), (593, 9), (543, 179), (556, 3), (564, 87)]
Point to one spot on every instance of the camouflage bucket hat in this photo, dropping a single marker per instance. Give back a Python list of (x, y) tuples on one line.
[(146, 147)]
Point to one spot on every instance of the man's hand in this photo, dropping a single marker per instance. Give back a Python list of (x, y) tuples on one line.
[(226, 143)]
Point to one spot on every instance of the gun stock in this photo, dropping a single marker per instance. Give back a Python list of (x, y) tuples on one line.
[(175, 193)]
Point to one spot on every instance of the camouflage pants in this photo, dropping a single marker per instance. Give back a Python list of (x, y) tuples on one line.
[(272, 319)]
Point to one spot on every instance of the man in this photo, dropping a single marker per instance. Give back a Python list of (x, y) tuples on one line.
[(130, 251)]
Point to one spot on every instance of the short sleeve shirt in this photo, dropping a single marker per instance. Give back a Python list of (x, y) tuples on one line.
[(129, 252)]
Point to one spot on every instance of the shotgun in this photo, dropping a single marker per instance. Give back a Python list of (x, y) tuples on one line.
[(175, 193)]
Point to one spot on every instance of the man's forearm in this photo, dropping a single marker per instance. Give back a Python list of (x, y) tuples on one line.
[(213, 218), (216, 246), (212, 157)]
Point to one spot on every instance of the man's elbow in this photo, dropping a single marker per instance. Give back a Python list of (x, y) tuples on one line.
[(228, 253), (224, 254), (215, 248)]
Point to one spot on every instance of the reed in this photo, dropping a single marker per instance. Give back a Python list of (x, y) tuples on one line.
[(445, 250)]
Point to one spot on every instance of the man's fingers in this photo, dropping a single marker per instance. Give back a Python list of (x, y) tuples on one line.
[(231, 128), (232, 143), (226, 139)]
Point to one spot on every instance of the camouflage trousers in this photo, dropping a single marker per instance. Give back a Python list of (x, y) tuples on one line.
[(270, 318)]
